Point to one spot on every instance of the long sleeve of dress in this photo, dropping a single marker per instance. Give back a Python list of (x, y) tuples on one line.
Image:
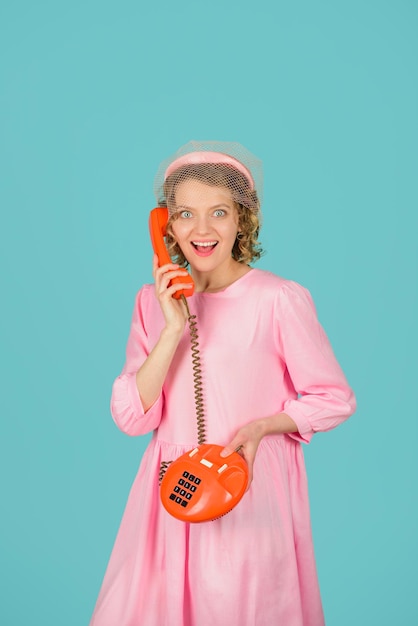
[(126, 406), (324, 396)]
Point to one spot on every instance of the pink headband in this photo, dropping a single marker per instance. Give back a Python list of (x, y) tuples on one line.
[(194, 158)]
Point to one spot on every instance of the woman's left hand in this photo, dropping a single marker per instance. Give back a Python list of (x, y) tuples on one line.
[(247, 440)]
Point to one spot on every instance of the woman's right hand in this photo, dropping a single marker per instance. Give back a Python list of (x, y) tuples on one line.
[(174, 311), (151, 375)]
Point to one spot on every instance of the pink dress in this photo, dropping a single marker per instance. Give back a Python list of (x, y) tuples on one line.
[(263, 351)]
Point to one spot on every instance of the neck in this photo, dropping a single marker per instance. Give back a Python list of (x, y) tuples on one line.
[(210, 282)]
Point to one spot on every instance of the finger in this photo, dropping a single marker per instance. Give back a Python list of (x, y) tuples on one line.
[(250, 462), (154, 264), (171, 280), (233, 446), (160, 271), (163, 281), (170, 291), (239, 447)]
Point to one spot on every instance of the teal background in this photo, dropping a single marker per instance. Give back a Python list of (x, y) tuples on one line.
[(93, 96)]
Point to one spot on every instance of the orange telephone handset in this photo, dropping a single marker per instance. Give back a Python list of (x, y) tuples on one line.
[(157, 225), (201, 486)]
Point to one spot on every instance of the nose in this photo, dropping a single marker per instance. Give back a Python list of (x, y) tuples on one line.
[(202, 225)]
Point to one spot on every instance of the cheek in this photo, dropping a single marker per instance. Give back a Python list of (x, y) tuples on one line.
[(174, 230), (234, 230), (179, 231)]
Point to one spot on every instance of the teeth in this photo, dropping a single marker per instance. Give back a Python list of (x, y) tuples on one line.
[(204, 244)]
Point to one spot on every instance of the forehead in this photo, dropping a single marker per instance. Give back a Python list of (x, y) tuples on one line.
[(193, 193)]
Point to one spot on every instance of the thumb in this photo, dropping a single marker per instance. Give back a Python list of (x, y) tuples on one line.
[(230, 448), (154, 264)]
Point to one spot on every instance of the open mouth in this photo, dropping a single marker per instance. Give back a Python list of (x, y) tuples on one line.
[(204, 247)]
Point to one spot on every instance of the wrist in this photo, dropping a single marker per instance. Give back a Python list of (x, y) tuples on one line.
[(277, 425), (263, 427), (172, 333)]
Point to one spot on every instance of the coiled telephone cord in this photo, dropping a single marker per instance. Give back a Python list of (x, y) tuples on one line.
[(197, 382), (197, 375), (163, 468)]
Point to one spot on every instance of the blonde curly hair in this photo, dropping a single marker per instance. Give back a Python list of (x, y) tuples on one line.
[(246, 248)]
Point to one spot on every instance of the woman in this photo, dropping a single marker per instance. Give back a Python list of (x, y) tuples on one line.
[(270, 380)]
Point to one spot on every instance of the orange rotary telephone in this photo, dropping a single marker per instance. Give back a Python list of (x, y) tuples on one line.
[(200, 485)]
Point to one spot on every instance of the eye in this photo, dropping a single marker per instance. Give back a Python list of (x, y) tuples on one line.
[(219, 213), (186, 214)]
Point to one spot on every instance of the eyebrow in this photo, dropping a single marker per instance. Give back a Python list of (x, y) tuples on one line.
[(216, 206)]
